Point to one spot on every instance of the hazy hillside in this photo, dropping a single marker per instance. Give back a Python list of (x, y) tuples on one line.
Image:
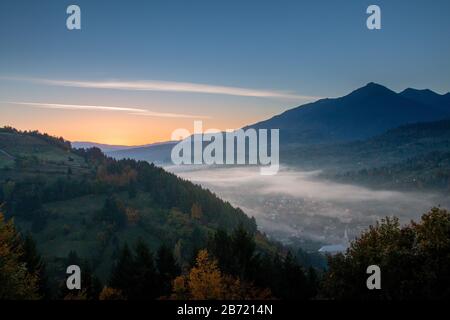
[(101, 146), (430, 172), (390, 147), (411, 157), (157, 153)]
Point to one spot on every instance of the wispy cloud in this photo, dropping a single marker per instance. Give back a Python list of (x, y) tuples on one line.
[(171, 86), (133, 111)]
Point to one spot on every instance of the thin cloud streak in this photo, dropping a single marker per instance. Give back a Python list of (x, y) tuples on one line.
[(131, 111), (172, 86)]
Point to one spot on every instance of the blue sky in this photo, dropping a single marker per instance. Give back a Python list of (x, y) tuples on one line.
[(245, 60)]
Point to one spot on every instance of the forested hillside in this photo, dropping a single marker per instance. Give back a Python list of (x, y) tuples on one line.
[(82, 207), (413, 156), (79, 200), (139, 232), (430, 172)]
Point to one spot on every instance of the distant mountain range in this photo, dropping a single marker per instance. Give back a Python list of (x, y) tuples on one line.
[(428, 97), (101, 146), (158, 153), (364, 113), (155, 152)]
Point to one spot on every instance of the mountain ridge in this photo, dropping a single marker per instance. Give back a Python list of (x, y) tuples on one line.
[(362, 114), (365, 112)]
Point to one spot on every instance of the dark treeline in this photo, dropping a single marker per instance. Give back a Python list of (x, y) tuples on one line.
[(139, 274), (237, 256), (414, 259)]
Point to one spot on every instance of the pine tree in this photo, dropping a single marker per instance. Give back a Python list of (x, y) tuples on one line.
[(313, 282), (89, 282), (243, 247), (167, 269), (294, 283), (145, 273), (132, 190), (122, 275), (220, 247), (72, 258), (114, 212), (16, 282), (35, 265)]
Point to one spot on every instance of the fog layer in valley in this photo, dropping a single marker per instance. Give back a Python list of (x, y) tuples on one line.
[(293, 204)]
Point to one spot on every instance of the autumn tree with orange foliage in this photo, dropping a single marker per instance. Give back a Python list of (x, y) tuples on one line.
[(414, 261), (205, 281), (109, 293), (196, 211), (114, 176)]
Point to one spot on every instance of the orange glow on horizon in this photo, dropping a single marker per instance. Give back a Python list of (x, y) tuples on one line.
[(111, 128)]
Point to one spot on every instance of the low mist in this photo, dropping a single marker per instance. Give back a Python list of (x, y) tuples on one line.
[(294, 204)]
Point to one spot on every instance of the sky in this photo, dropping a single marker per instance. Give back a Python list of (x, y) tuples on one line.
[(137, 70)]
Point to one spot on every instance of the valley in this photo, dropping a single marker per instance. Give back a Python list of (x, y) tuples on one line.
[(345, 163), (296, 206)]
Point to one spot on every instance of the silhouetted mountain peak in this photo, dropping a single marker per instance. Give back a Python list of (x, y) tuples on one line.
[(372, 89), (429, 98), (374, 85), (365, 112), (423, 92)]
